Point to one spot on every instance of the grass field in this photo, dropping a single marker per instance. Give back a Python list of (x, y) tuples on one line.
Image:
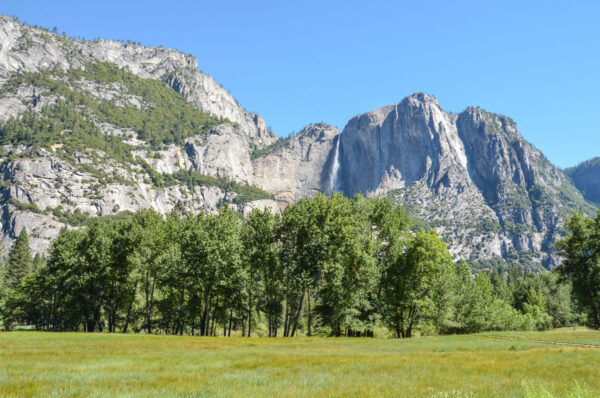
[(81, 365)]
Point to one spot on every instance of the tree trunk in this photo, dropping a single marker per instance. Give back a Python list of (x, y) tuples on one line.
[(211, 331), (149, 302), (205, 314), (250, 302), (286, 321), (309, 316), (249, 314), (298, 314), (127, 317)]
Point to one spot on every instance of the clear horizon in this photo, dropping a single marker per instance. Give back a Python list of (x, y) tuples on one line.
[(303, 63)]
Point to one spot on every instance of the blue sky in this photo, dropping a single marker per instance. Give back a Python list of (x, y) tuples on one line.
[(309, 61)]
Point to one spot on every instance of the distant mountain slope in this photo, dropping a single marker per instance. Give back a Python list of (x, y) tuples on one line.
[(586, 177)]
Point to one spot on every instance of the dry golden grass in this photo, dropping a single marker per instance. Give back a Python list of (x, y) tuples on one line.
[(82, 365)]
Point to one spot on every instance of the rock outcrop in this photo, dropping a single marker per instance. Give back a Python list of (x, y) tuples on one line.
[(299, 166)]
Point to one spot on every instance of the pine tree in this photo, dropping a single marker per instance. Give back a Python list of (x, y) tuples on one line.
[(19, 261), (38, 262)]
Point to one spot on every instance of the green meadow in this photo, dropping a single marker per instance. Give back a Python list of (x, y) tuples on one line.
[(97, 365)]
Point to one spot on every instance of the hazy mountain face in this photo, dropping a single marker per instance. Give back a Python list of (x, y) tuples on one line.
[(586, 177), (99, 128)]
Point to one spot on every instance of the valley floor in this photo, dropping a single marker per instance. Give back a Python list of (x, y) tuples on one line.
[(94, 365)]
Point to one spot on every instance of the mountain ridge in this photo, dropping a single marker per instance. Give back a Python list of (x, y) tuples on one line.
[(103, 127)]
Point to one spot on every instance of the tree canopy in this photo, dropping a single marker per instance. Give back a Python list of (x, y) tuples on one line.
[(327, 265)]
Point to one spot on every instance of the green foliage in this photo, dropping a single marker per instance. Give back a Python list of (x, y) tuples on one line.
[(66, 125), (31, 207), (76, 218), (259, 153), (417, 284), (165, 118), (326, 266), (192, 178), (246, 193), (19, 261), (581, 253)]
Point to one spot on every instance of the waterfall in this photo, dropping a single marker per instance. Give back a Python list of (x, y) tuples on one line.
[(335, 167)]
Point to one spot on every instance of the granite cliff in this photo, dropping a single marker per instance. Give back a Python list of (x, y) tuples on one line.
[(98, 128), (472, 176), (102, 128)]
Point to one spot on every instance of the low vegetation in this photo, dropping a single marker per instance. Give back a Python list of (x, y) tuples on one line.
[(190, 178), (99, 365), (164, 118)]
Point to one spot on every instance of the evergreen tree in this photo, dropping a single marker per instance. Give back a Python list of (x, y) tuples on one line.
[(19, 261)]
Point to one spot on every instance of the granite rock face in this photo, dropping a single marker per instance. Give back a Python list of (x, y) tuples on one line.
[(202, 91), (471, 176), (300, 166), (43, 190), (401, 144), (223, 153)]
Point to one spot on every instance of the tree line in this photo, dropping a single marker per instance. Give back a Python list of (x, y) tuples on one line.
[(324, 266)]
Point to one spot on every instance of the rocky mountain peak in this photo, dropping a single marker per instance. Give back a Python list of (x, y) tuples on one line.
[(318, 131), (473, 169), (99, 128), (401, 144)]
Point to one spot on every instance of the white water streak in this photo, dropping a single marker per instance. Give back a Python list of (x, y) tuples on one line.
[(335, 166)]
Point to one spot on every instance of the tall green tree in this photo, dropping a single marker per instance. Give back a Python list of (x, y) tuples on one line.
[(19, 261), (581, 253), (391, 227), (146, 244), (65, 280), (263, 265), (414, 282), (303, 247), (175, 278), (346, 260)]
